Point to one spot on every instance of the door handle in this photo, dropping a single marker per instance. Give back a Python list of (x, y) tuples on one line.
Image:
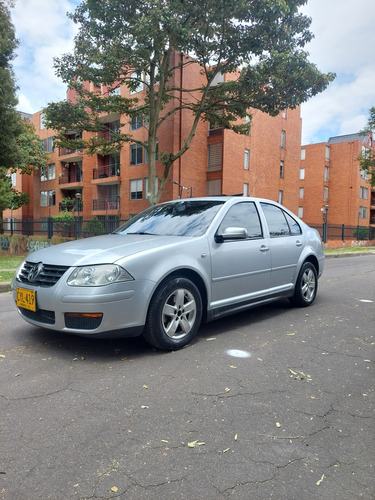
[(299, 243), (263, 248)]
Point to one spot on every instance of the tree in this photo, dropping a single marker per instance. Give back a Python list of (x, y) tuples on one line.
[(148, 43), (367, 158), (20, 147)]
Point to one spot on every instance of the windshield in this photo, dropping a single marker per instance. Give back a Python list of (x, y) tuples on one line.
[(182, 218)]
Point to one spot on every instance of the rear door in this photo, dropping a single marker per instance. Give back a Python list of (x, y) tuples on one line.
[(240, 268), (286, 245)]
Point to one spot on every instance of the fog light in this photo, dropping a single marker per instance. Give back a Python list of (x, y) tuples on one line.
[(83, 321)]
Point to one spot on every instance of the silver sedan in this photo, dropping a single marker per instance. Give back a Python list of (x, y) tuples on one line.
[(171, 267)]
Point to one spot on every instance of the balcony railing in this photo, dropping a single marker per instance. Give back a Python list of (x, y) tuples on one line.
[(111, 170), (106, 204), (70, 177), (65, 151)]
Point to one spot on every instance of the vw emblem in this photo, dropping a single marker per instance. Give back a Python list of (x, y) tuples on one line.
[(34, 272)]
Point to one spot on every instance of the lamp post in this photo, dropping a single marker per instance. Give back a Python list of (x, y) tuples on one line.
[(78, 197), (325, 212)]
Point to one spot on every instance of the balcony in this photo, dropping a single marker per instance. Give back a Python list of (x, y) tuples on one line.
[(105, 171), (106, 204), (71, 175)]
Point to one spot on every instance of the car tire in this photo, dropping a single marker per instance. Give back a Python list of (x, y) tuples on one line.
[(306, 286), (174, 315)]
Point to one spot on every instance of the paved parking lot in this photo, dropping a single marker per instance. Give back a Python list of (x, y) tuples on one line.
[(275, 403)]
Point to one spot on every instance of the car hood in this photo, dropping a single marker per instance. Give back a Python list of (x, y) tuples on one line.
[(102, 249)]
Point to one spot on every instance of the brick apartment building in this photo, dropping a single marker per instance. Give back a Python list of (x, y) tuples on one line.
[(265, 163), (330, 178)]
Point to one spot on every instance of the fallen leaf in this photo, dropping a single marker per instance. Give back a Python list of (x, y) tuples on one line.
[(235, 437), (212, 338), (2, 355), (227, 389), (232, 366), (278, 425), (144, 406), (145, 386), (365, 360), (318, 483), (194, 444), (224, 451), (290, 334), (114, 489), (164, 441), (292, 372)]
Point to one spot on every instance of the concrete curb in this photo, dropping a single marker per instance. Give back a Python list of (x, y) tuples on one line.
[(5, 287)]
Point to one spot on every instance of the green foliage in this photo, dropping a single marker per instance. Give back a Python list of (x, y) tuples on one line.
[(367, 159), (93, 228), (63, 221), (150, 43)]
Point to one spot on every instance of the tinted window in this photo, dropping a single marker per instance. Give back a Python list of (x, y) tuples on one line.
[(243, 215), (293, 224), (183, 218), (276, 221)]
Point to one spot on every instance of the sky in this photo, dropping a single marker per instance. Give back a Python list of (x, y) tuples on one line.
[(343, 44)]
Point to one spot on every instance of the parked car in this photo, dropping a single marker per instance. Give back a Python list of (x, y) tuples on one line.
[(171, 267)]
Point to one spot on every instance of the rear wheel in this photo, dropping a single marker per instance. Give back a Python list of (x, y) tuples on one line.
[(174, 314), (306, 286)]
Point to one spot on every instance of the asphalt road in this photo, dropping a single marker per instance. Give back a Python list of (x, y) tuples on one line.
[(294, 419)]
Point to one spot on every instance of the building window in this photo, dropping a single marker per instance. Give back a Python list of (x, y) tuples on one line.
[(325, 193), (300, 212), (43, 198), (301, 193), (328, 152), (363, 193), (136, 122), (326, 174), (364, 175), (280, 200), (303, 154), (51, 171), (301, 173), (247, 159), (137, 80), (136, 154), (215, 157), (214, 187), (42, 124), (52, 198), (44, 144), (283, 113), (246, 189), (281, 169), (51, 144), (362, 213), (43, 173), (248, 123), (14, 179), (283, 138), (136, 189)]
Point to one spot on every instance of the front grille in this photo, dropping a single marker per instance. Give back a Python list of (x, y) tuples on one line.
[(82, 322), (41, 315), (45, 275)]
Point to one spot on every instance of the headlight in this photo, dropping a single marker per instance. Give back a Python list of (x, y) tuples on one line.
[(100, 275)]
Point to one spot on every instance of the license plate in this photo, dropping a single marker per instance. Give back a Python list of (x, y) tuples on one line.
[(26, 299)]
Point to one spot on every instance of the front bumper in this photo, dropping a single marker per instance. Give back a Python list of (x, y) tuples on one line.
[(116, 310)]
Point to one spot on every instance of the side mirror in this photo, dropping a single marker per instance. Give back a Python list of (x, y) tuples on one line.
[(231, 233)]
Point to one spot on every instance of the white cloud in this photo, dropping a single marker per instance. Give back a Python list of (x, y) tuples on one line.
[(344, 38), (44, 32)]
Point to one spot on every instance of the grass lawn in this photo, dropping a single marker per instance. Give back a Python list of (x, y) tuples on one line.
[(8, 265)]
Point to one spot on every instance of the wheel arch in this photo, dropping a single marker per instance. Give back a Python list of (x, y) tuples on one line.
[(314, 261), (192, 276)]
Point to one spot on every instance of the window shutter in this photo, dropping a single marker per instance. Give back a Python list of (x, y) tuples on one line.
[(215, 157)]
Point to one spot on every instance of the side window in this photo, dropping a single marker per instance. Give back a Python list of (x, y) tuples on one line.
[(276, 221), (243, 215), (293, 225)]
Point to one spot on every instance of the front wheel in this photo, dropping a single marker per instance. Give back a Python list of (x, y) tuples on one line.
[(306, 286), (174, 314)]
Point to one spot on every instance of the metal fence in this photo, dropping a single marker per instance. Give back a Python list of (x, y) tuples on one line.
[(80, 228), (76, 227)]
